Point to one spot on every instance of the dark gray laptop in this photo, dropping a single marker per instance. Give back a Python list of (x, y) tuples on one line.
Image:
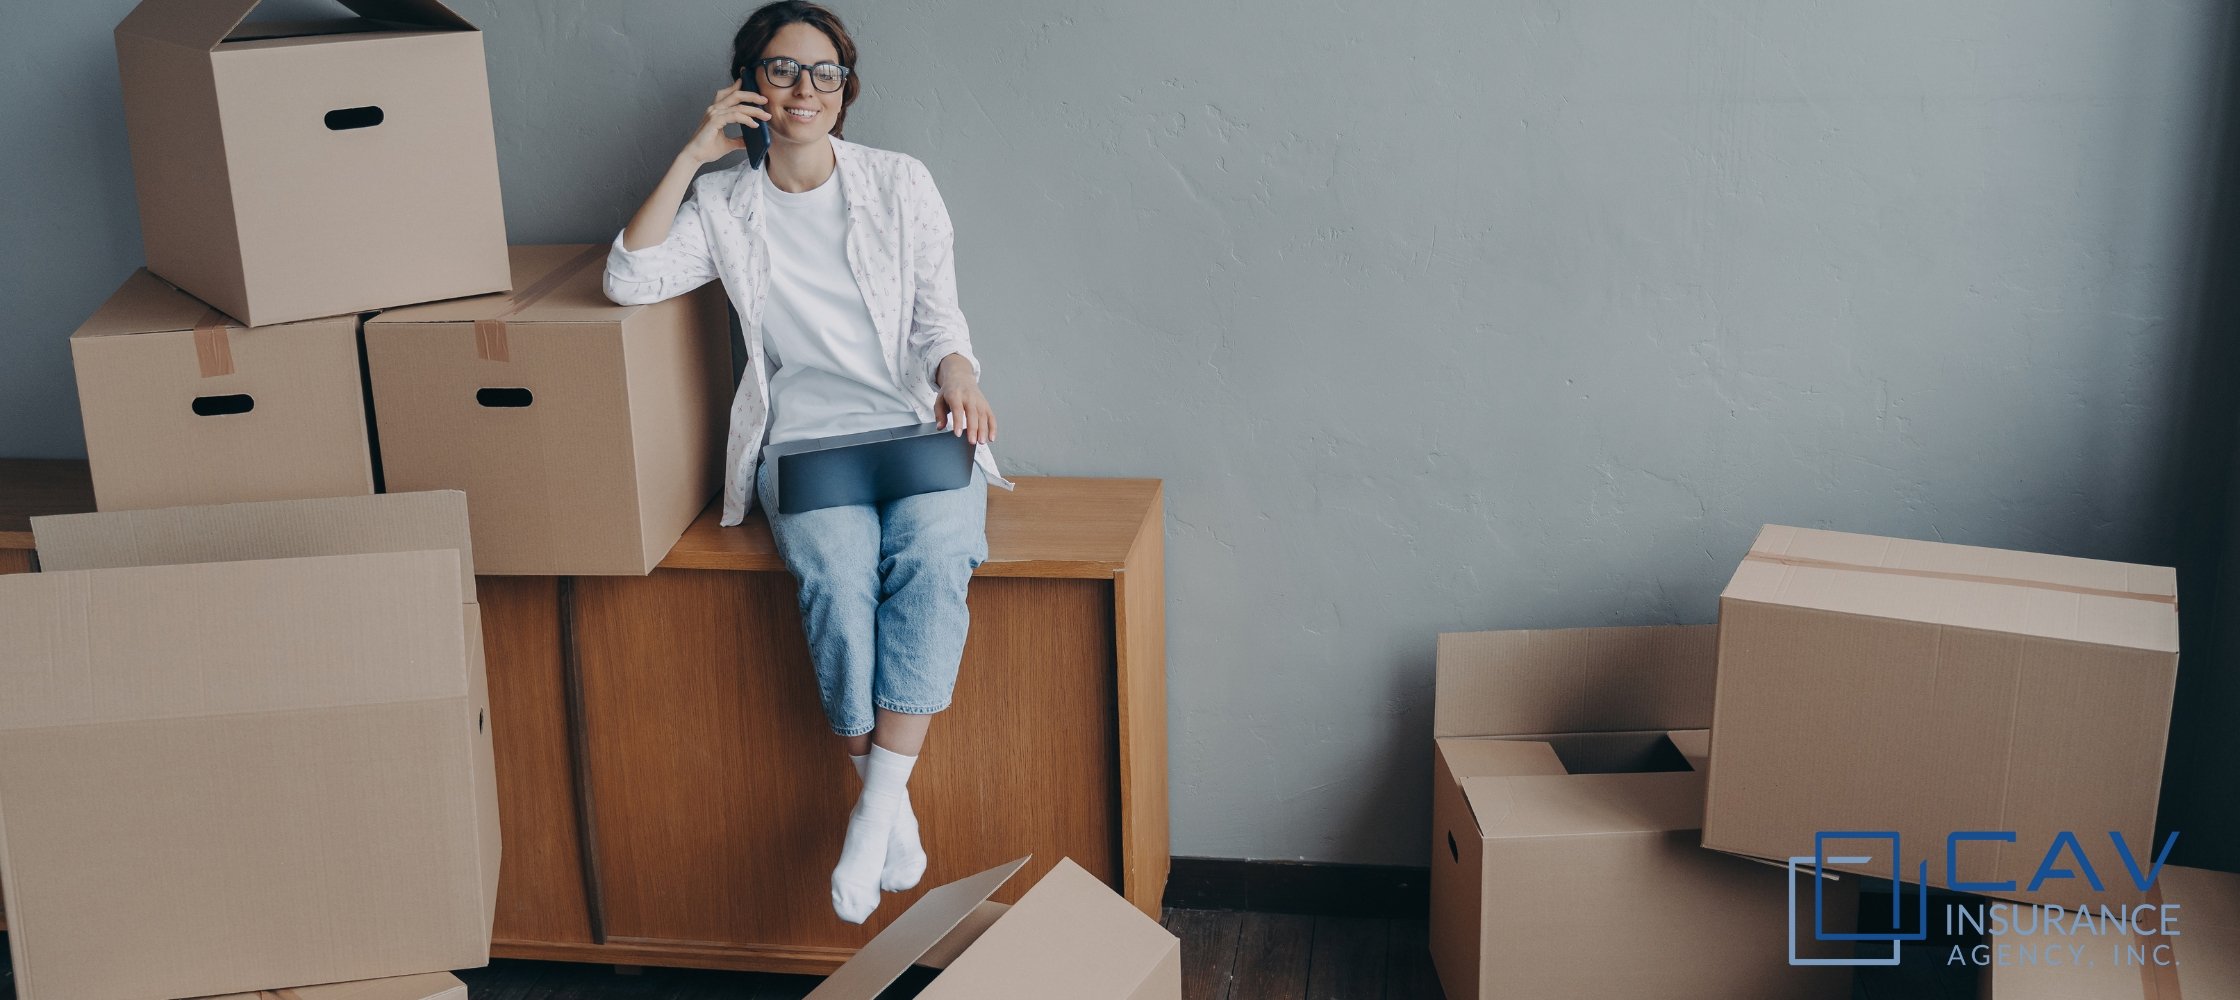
[(869, 467)]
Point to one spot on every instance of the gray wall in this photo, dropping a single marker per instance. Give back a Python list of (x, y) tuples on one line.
[(1432, 316)]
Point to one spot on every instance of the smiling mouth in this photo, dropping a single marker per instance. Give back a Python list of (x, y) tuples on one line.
[(800, 114)]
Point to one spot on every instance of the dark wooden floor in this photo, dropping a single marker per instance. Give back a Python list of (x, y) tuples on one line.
[(1226, 955)]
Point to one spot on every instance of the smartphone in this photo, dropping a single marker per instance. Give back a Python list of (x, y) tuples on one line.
[(756, 136)]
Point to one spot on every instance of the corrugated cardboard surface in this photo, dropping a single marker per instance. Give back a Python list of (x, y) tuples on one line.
[(620, 445), (388, 522), (1929, 688), (245, 774), (275, 217), (1550, 883), (1580, 680), (2205, 952), (435, 986), (1069, 936), (1994, 590), (141, 364)]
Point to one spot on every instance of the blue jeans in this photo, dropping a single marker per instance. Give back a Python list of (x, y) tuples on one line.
[(882, 594)]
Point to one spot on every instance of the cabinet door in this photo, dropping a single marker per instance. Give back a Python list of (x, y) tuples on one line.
[(541, 896), (719, 795)]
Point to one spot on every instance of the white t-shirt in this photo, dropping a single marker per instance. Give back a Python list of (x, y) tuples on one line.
[(830, 376)]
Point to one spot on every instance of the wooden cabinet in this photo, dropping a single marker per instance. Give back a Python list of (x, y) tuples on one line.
[(670, 794)]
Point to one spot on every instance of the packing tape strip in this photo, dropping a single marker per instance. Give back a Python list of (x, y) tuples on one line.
[(1933, 574), (2159, 982), (490, 334), (213, 349)]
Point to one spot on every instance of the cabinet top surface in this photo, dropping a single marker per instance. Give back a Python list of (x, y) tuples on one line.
[(1051, 526)]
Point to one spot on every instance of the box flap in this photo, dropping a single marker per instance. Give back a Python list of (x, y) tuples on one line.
[(434, 986), (1479, 757), (1518, 682), (420, 13), (975, 924), (919, 930), (274, 529), (204, 24), (1581, 804), (552, 284), (1694, 745), (148, 304), (216, 639), (1069, 936), (195, 24), (1997, 590)]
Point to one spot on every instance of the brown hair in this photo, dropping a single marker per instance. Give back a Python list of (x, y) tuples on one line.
[(754, 36)]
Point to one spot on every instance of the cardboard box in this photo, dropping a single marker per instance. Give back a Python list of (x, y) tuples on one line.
[(1069, 936), (2202, 958), (245, 747), (435, 986), (183, 405), (287, 171), (1568, 865), (1922, 689), (586, 435)]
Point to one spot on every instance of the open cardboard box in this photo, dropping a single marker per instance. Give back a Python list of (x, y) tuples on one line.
[(292, 171), (1927, 689), (1069, 936), (2202, 959), (1567, 798), (245, 747), (587, 435), (184, 405)]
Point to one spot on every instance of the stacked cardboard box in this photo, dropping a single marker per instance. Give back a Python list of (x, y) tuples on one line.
[(1972, 719), (1567, 794), (586, 435), (246, 747), (1926, 689), (304, 175), (294, 170), (182, 405)]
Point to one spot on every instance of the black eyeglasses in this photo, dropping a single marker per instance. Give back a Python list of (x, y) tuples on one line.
[(783, 72)]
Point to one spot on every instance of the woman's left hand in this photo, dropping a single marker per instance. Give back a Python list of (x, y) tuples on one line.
[(961, 398)]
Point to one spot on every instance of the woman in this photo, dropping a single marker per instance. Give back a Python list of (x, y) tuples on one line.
[(837, 258)]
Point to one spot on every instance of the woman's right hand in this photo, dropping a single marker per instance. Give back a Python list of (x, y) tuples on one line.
[(734, 105)]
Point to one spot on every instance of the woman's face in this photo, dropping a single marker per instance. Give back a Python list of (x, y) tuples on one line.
[(800, 113)]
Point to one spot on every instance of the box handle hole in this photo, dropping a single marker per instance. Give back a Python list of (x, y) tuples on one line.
[(1452, 850), (218, 406), (344, 119), (479, 718), (504, 397)]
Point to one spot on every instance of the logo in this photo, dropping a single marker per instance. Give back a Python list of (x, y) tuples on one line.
[(1819, 859), (2051, 867)]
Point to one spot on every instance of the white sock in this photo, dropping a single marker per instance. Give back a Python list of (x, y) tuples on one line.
[(863, 853), (906, 854)]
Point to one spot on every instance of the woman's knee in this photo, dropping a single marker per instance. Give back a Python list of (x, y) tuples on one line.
[(946, 565)]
